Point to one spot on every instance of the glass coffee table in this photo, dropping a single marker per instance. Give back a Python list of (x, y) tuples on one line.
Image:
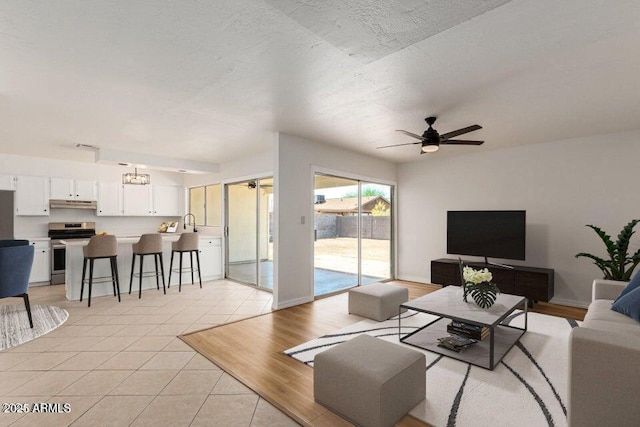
[(447, 304)]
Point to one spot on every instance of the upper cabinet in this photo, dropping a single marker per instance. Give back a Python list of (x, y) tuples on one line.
[(86, 190), (32, 195), (73, 189), (7, 182), (166, 200), (137, 200), (116, 199), (109, 199), (113, 198), (156, 200)]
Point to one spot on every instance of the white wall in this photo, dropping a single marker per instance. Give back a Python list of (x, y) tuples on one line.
[(295, 160), (27, 226), (562, 186)]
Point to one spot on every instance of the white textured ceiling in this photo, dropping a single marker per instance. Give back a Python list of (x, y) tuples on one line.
[(372, 29), (211, 81)]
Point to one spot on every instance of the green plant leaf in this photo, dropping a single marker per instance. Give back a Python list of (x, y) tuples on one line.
[(634, 260), (484, 294), (616, 267), (602, 264), (612, 248), (484, 300), (623, 245)]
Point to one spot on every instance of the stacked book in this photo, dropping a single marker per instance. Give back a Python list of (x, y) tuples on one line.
[(466, 330), (455, 342)]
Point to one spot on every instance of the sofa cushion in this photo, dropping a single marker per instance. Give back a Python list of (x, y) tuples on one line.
[(600, 309), (634, 283), (629, 304), (623, 329)]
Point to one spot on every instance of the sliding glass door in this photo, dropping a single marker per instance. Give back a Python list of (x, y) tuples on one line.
[(375, 232), (249, 250), (335, 249), (353, 233)]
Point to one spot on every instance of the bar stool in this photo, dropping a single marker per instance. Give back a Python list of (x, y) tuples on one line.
[(149, 244), (188, 242), (97, 248)]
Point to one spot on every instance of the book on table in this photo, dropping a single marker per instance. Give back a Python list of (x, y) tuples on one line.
[(468, 330), (456, 343)]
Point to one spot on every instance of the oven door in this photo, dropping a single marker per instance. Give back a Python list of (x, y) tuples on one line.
[(58, 255)]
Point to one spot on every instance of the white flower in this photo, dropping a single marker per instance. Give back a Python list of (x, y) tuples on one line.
[(476, 276)]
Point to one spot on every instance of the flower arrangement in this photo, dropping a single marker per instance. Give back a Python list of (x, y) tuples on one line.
[(478, 284)]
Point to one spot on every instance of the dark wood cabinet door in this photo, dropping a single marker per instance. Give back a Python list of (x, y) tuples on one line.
[(445, 273), (533, 285)]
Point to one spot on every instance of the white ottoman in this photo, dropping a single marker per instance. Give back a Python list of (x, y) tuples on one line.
[(371, 382), (378, 301)]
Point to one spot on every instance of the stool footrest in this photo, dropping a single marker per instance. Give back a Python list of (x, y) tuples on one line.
[(185, 270), (101, 279), (148, 274)]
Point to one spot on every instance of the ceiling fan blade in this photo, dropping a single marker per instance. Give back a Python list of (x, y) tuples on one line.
[(411, 134), (398, 145), (459, 132), (461, 142)]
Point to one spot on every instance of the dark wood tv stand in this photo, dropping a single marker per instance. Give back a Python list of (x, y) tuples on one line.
[(536, 284)]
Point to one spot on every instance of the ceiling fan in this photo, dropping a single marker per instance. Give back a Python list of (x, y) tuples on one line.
[(431, 139)]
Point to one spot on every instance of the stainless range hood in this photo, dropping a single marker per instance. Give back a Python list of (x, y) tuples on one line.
[(72, 204)]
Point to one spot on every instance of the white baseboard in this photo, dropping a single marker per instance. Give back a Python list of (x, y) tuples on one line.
[(413, 279), (291, 303), (570, 303)]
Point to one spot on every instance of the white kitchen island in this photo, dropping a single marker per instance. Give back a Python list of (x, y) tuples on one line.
[(210, 264)]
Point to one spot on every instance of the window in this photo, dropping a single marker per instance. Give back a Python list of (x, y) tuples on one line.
[(204, 204), (213, 212)]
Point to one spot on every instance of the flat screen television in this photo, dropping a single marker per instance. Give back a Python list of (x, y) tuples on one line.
[(495, 234)]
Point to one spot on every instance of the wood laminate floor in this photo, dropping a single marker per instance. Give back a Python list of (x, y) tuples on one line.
[(251, 350)]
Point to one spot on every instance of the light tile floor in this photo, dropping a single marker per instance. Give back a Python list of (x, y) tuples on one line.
[(120, 364)]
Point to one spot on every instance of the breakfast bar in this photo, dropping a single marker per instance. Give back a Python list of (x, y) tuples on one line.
[(74, 261)]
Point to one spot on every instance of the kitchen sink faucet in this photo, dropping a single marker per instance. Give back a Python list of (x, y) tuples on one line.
[(184, 220)]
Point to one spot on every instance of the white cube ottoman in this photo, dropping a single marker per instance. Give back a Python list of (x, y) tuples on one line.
[(377, 301), (371, 382)]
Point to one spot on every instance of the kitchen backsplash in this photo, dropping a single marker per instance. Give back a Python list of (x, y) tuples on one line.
[(37, 226)]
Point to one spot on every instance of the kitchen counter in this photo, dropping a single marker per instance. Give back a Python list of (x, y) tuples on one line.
[(75, 259), (122, 239)]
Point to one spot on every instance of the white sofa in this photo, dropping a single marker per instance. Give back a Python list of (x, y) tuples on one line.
[(604, 364)]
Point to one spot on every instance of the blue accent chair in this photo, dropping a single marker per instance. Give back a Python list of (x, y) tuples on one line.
[(16, 259)]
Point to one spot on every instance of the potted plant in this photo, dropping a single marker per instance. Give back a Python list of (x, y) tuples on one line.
[(477, 283), (620, 265)]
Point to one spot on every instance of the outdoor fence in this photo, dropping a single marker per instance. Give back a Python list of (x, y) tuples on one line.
[(332, 226)]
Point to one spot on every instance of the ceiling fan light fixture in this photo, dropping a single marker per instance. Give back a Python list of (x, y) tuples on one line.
[(431, 140), (427, 148)]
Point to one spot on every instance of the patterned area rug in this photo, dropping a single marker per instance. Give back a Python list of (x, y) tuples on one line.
[(14, 323), (528, 388)]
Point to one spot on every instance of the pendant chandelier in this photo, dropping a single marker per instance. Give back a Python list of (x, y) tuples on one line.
[(136, 178)]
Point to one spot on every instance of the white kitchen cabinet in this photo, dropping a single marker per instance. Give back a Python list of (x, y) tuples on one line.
[(166, 200), (109, 199), (210, 258), (115, 199), (85, 189), (32, 195), (41, 269), (7, 182), (62, 189), (137, 200), (73, 189)]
